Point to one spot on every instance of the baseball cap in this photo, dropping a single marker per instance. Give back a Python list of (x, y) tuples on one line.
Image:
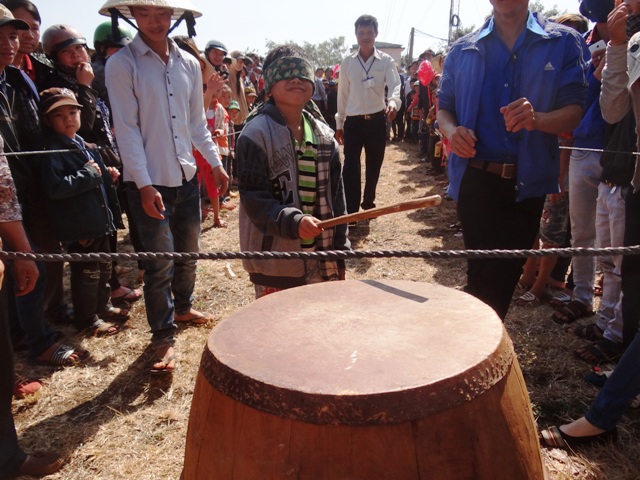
[(233, 105), (596, 10), (52, 98), (250, 91), (633, 59), (7, 18)]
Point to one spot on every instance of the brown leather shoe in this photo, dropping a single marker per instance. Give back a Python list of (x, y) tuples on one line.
[(41, 464)]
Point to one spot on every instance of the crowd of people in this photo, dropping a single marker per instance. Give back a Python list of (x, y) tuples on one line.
[(268, 130)]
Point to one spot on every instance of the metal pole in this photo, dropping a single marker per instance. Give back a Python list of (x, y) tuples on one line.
[(413, 32)]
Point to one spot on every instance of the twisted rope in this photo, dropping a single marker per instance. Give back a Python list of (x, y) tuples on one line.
[(328, 255)]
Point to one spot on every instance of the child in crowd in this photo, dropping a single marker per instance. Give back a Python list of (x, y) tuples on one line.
[(233, 110), (82, 206), (67, 49), (289, 177), (415, 110), (212, 85)]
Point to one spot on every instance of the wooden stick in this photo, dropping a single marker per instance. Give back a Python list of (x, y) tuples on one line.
[(431, 201)]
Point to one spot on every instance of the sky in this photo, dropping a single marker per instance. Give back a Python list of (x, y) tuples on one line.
[(247, 25)]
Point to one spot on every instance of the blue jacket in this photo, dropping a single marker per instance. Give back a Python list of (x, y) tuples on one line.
[(554, 61), (77, 206)]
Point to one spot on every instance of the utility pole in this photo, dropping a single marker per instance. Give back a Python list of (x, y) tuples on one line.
[(413, 32), (454, 19)]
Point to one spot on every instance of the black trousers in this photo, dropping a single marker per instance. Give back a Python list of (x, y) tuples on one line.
[(11, 455), (90, 290), (631, 270), (491, 219), (370, 135)]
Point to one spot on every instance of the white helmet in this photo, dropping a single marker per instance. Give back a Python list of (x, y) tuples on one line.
[(179, 7)]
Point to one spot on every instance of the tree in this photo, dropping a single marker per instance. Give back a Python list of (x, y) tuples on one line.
[(461, 32), (537, 6), (323, 54)]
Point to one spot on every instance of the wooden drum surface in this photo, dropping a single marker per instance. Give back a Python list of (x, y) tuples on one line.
[(365, 359)]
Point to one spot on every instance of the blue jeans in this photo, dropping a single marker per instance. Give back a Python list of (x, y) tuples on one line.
[(584, 178), (169, 284), (619, 390), (25, 314)]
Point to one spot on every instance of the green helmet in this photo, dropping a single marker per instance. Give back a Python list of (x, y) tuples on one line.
[(104, 36)]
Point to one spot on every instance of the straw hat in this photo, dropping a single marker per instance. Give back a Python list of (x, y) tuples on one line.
[(178, 6)]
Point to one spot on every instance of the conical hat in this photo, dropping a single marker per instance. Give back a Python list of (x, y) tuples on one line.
[(178, 6)]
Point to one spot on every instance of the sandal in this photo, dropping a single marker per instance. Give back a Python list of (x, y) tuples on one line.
[(165, 363), (560, 299), (61, 356), (571, 312), (598, 285), (193, 317), (591, 332), (100, 328), (126, 294), (219, 224), (602, 351), (115, 314), (553, 437), (528, 299)]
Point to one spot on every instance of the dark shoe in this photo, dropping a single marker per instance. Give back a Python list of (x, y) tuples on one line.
[(40, 465), (553, 437), (571, 312), (591, 332), (602, 351)]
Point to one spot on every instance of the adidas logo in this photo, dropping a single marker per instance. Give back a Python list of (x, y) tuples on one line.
[(549, 68)]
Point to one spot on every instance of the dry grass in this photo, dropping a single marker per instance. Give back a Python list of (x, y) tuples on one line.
[(116, 421)]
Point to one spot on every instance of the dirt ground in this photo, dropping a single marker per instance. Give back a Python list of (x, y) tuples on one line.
[(116, 421)]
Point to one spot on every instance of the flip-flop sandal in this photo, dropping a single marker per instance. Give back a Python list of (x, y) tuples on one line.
[(100, 328), (219, 224), (591, 332), (553, 437), (600, 352), (560, 299), (62, 356), (127, 294), (529, 300), (193, 317), (167, 362), (571, 312), (115, 314)]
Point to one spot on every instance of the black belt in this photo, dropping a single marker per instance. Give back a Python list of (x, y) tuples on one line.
[(612, 184), (368, 116), (504, 170)]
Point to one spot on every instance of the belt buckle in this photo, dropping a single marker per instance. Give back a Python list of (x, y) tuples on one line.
[(508, 170), (367, 116)]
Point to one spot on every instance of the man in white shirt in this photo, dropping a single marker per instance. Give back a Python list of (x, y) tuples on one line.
[(156, 94), (363, 112)]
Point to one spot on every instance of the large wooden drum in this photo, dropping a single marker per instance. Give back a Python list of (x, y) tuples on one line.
[(361, 380)]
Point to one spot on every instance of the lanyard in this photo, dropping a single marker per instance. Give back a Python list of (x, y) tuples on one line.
[(366, 70)]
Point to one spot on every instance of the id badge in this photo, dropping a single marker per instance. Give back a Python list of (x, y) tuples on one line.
[(368, 82)]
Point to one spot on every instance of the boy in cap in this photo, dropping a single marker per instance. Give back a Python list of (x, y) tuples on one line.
[(289, 177), (82, 202), (158, 111)]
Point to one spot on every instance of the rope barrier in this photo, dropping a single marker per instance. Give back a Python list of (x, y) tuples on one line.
[(88, 149), (328, 255), (46, 152)]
